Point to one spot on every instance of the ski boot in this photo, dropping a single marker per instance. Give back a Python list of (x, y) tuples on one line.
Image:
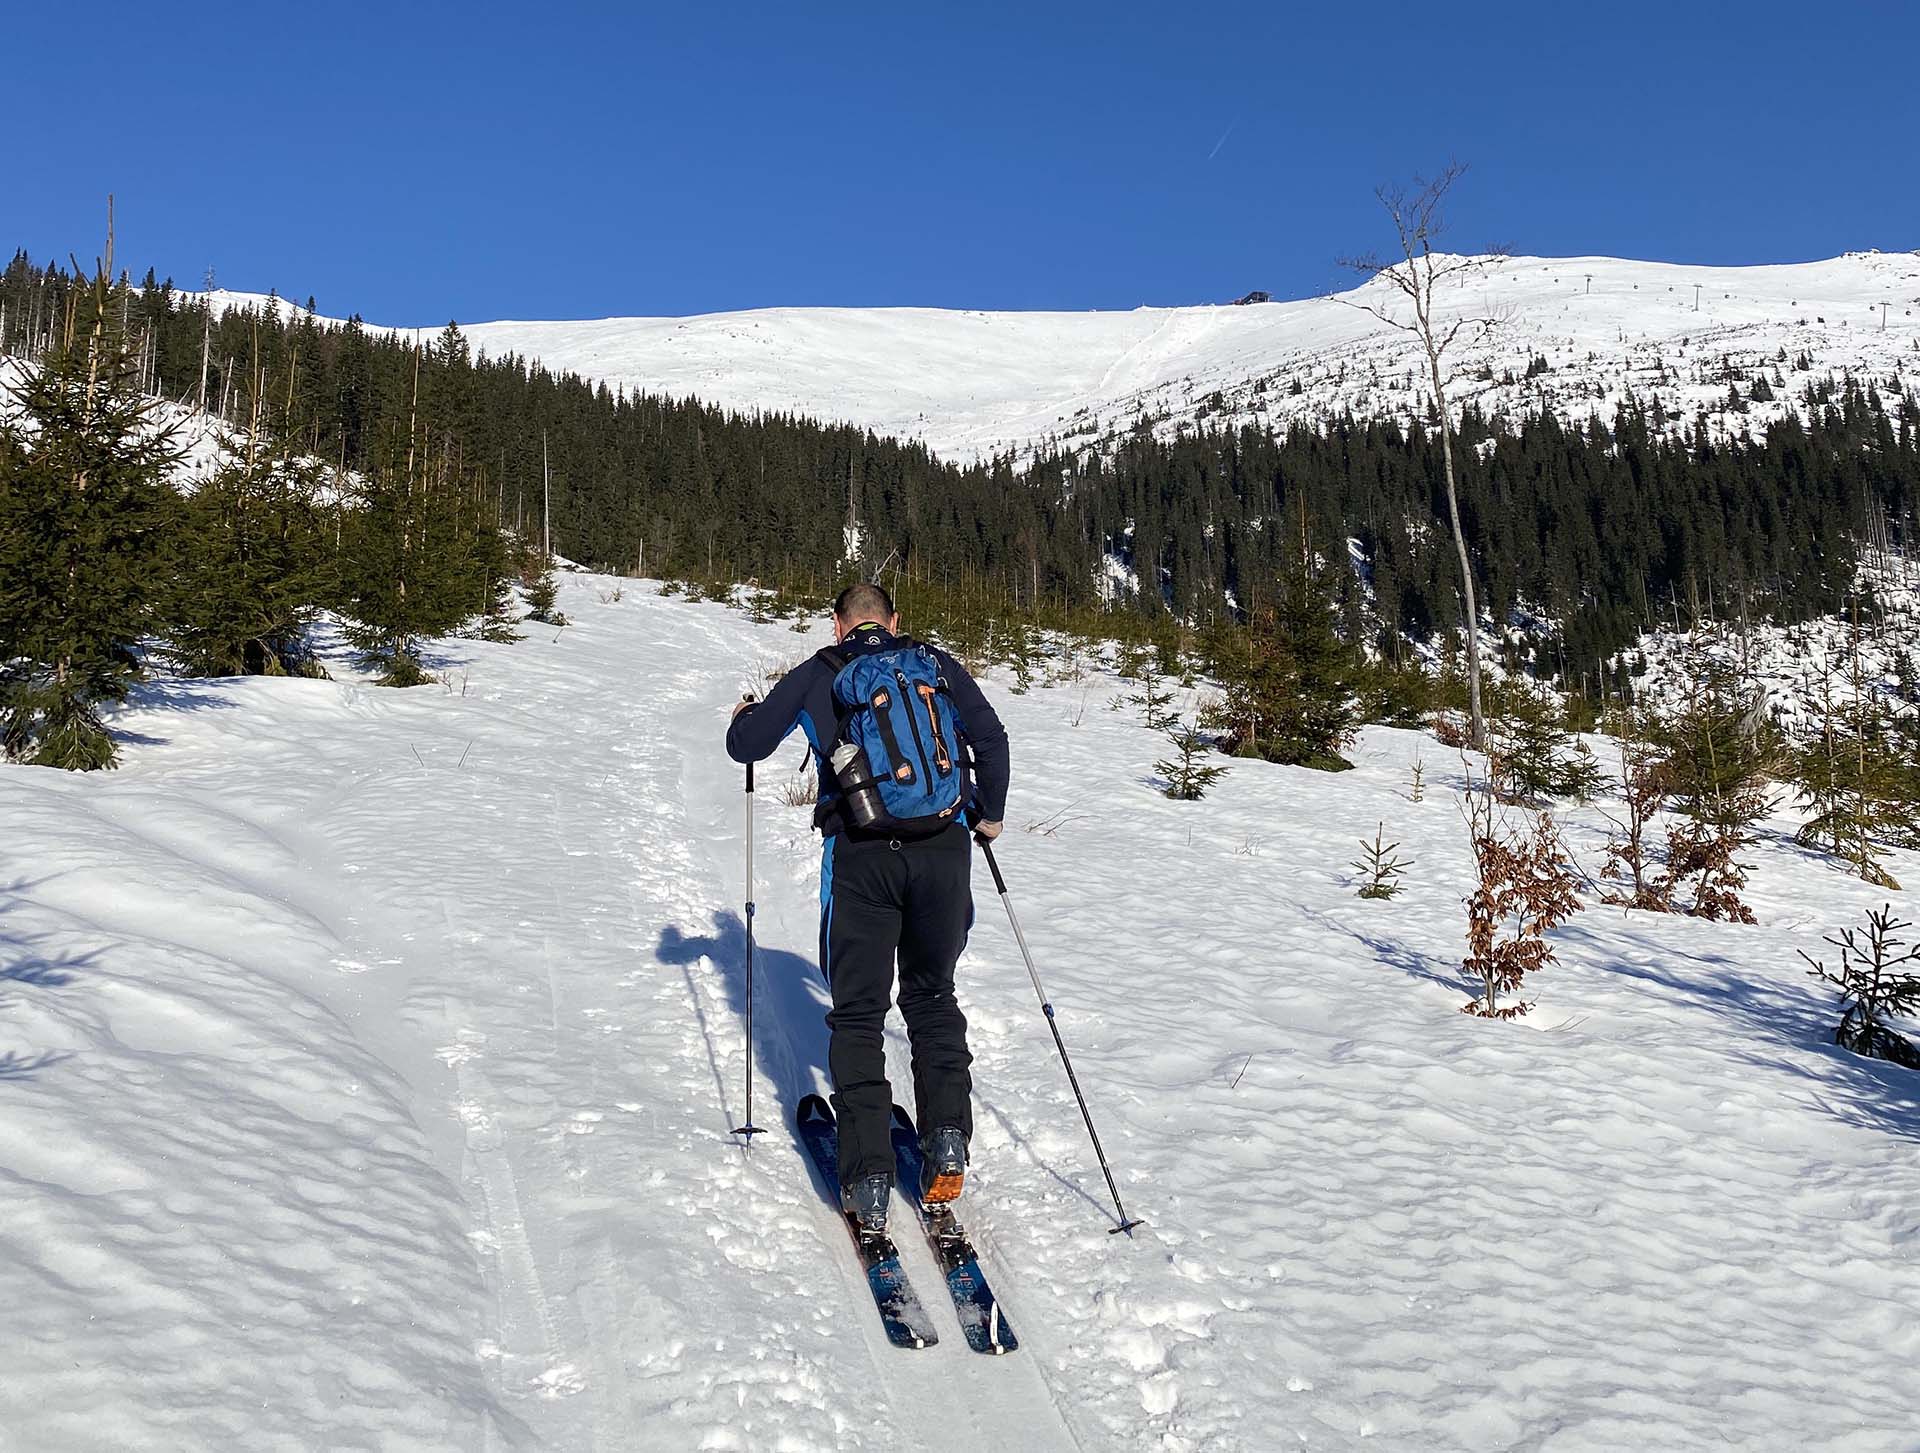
[(943, 1165), (866, 1201)]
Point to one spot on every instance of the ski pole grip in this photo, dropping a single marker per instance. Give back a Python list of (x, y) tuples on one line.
[(749, 696), (993, 864)]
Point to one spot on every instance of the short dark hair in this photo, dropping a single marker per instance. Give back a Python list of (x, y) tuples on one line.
[(864, 602)]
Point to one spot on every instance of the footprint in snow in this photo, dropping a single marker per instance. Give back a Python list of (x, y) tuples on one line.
[(360, 966), (560, 1382), (465, 1048)]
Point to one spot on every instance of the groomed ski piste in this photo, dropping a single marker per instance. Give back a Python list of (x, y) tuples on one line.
[(369, 1058)]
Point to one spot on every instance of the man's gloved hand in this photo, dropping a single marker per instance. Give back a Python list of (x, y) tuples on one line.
[(746, 704), (987, 831)]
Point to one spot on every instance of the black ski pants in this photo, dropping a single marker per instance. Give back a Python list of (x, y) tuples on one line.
[(881, 898)]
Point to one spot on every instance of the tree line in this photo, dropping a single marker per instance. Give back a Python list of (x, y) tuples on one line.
[(113, 547), (398, 479)]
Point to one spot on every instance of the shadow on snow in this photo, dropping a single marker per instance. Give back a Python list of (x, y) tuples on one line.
[(789, 1028), (20, 964)]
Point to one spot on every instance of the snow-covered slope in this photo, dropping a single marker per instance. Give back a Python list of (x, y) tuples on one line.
[(367, 1059), (971, 383), (203, 443), (1787, 663)]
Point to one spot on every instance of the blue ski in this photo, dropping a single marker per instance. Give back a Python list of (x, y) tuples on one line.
[(901, 1312), (981, 1319)]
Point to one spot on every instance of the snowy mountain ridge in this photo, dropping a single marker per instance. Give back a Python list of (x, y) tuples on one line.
[(1579, 335)]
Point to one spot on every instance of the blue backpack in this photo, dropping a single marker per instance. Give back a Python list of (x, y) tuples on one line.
[(894, 706)]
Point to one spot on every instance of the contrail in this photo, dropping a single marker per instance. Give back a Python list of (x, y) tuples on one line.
[(1223, 138)]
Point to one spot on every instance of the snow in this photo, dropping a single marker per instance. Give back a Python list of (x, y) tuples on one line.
[(369, 1058), (972, 383), (1786, 662), (203, 443)]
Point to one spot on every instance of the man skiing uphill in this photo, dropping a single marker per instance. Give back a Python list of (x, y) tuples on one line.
[(888, 720)]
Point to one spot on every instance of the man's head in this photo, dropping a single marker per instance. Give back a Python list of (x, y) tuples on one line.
[(859, 604)]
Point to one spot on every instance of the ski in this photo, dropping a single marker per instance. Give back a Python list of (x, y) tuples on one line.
[(901, 1311), (981, 1319)]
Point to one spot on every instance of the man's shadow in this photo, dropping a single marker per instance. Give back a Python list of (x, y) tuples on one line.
[(789, 1015), (789, 1034)]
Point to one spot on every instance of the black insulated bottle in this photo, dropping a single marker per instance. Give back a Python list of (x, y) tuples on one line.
[(856, 782)]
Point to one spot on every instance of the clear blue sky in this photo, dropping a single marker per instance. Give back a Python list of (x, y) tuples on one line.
[(417, 162)]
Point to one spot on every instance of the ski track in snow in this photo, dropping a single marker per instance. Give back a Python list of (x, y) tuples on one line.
[(361, 1096)]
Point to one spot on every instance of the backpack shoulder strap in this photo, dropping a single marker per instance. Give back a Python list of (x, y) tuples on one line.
[(834, 657)]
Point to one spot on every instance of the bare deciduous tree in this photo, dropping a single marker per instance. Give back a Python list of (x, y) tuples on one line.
[(1524, 887), (1423, 278)]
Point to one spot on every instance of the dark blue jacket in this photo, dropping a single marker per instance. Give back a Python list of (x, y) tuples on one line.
[(804, 699)]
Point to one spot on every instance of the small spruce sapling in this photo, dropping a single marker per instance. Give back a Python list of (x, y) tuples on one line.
[(1873, 986), (1021, 656), (1852, 769), (1535, 757), (1154, 698), (1716, 749), (541, 590), (1187, 776), (1379, 866), (496, 615), (1714, 754)]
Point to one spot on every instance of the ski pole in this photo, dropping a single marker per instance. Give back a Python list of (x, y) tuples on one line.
[(1046, 1007), (749, 1129)]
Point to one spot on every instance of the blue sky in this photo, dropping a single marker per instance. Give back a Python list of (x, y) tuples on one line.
[(419, 162)]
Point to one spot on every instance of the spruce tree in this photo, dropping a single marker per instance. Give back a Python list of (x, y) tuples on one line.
[(1875, 984), (540, 589), (85, 505), (1288, 680), (1534, 757), (1852, 770), (255, 563), (496, 597), (408, 570), (1714, 752), (1715, 749)]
